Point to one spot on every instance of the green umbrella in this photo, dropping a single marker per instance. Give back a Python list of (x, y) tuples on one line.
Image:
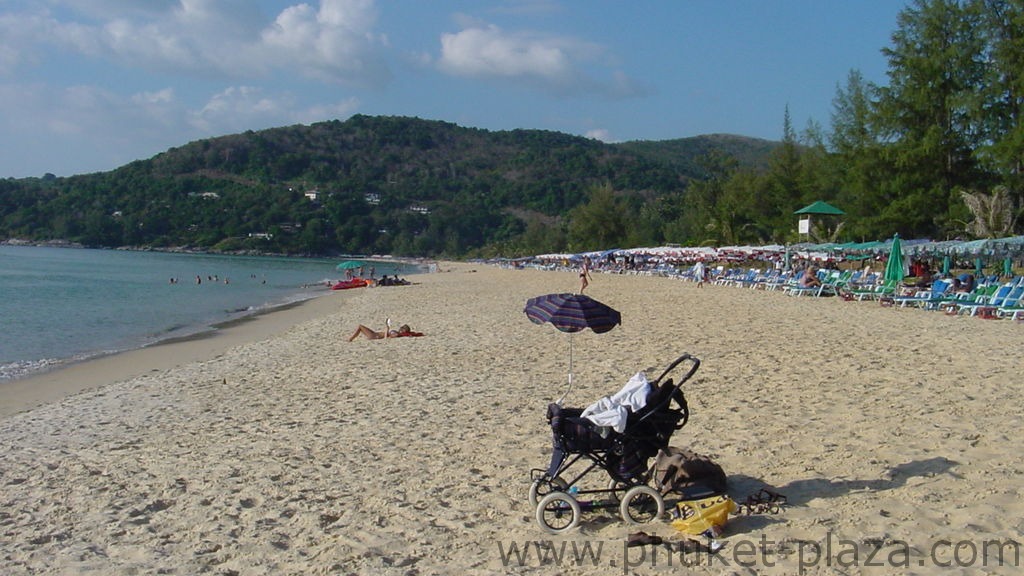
[(894, 266), (945, 265), (1008, 267), (350, 264)]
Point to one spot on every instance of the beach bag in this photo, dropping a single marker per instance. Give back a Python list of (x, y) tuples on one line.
[(685, 472), (707, 516)]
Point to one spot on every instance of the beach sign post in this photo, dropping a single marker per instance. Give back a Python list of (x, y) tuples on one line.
[(571, 313)]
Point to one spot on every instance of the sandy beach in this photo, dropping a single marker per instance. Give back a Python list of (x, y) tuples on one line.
[(285, 449)]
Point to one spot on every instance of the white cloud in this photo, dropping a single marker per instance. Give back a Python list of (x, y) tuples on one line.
[(82, 128), (559, 64), (164, 96), (333, 40), (241, 108), (321, 112), (336, 43), (599, 134), (489, 51), (87, 128)]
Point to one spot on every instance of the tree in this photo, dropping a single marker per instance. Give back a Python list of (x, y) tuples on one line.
[(994, 214), (782, 192), (597, 224), (857, 155), (936, 72), (1002, 112)]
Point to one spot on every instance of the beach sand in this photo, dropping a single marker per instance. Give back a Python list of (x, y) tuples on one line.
[(292, 451)]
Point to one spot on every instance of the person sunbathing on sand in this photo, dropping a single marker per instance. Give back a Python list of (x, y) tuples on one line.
[(369, 333)]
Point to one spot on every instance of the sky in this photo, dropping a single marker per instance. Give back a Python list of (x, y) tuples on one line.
[(91, 85)]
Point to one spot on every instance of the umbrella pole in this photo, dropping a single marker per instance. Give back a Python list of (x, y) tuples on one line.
[(567, 390)]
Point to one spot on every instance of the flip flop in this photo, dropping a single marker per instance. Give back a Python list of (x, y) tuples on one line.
[(642, 539)]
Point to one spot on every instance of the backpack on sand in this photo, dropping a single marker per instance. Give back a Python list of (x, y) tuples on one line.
[(687, 473)]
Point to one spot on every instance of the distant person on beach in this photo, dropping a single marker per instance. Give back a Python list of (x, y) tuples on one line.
[(700, 273), (585, 274), (810, 278), (402, 332)]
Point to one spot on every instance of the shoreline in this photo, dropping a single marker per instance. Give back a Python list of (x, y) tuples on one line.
[(56, 383)]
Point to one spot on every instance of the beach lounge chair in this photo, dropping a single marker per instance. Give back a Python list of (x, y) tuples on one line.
[(822, 289), (979, 295), (1012, 306), (746, 280), (874, 292), (766, 278), (986, 305), (926, 299), (777, 282)]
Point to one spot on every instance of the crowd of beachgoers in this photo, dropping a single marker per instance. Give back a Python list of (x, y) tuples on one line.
[(955, 291)]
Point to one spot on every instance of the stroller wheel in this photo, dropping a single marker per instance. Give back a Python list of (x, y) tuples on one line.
[(642, 504), (616, 489), (558, 513), (544, 486)]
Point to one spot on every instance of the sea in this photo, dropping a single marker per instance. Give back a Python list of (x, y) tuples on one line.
[(62, 305)]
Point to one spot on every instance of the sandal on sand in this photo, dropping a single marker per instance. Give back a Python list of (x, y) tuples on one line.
[(764, 500), (642, 539)]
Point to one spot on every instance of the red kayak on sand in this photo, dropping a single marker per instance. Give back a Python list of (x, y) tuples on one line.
[(353, 283)]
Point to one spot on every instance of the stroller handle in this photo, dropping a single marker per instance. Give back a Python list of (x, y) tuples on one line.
[(695, 364)]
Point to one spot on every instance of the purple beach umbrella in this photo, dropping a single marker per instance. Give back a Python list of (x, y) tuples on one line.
[(572, 313)]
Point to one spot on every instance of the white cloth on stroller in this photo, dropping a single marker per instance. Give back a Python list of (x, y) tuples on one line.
[(613, 410)]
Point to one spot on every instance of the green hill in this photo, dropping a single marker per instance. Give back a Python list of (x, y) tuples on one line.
[(366, 185)]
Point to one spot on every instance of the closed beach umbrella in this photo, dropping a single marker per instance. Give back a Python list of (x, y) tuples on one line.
[(572, 313), (894, 266), (945, 265)]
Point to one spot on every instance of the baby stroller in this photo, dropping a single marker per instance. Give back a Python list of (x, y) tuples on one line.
[(623, 455)]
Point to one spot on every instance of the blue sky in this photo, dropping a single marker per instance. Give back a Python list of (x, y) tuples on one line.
[(90, 85)]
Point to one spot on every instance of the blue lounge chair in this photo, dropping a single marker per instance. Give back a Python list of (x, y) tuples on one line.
[(981, 303), (1011, 306), (927, 299)]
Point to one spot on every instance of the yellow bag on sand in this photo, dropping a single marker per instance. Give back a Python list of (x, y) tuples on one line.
[(700, 516)]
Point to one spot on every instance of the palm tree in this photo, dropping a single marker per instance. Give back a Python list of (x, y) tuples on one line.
[(994, 214)]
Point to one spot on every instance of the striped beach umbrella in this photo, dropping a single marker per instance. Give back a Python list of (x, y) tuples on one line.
[(571, 313)]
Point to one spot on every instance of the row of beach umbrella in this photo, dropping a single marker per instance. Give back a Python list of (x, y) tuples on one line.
[(831, 252)]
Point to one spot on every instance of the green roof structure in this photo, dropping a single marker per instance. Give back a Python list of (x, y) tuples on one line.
[(822, 208)]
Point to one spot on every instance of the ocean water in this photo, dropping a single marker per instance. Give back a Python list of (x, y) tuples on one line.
[(61, 304)]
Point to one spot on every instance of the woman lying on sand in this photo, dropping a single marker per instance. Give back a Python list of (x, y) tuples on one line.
[(371, 334)]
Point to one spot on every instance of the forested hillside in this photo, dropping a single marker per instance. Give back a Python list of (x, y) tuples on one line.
[(367, 185)]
